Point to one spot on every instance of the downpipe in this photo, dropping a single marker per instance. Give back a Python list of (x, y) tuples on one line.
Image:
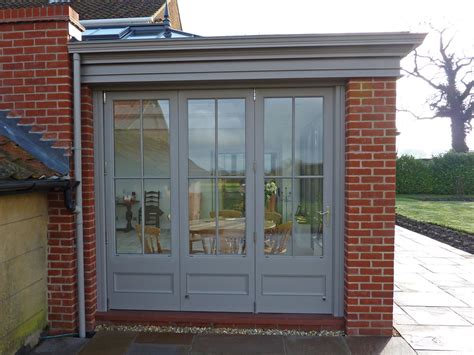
[(77, 147)]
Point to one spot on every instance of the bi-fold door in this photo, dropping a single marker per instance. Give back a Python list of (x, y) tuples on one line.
[(220, 200)]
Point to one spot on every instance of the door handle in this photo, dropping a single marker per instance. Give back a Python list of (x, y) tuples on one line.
[(326, 216)]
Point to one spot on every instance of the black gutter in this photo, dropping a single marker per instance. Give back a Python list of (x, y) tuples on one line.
[(24, 186)]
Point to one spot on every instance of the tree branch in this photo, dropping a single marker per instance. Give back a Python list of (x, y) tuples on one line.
[(417, 116)]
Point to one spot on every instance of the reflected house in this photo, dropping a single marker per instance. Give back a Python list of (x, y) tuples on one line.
[(246, 175)]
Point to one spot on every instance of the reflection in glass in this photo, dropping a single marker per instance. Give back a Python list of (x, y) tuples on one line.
[(278, 217), (156, 142), (278, 113), (157, 216), (231, 197), (308, 220), (201, 137), (308, 136), (127, 137), (231, 136), (202, 227), (128, 197)]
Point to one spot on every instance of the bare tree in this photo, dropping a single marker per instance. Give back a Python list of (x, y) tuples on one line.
[(453, 84)]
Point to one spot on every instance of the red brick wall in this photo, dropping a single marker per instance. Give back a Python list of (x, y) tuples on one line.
[(36, 85), (370, 205), (88, 207)]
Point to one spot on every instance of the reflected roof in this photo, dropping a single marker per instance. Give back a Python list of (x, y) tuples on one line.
[(151, 31)]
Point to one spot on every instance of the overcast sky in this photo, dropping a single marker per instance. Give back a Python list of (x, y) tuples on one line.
[(250, 17)]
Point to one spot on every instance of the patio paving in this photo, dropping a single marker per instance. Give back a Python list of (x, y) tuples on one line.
[(129, 343), (434, 295)]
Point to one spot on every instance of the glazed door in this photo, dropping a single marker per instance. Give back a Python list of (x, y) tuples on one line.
[(217, 200), (294, 194), (142, 216)]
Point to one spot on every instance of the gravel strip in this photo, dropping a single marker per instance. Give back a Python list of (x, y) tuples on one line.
[(456, 239), (211, 330)]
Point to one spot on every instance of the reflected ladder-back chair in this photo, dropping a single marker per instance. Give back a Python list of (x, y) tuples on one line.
[(278, 239), (152, 209), (152, 239)]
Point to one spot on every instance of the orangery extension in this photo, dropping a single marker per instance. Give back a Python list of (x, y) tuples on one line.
[(224, 181)]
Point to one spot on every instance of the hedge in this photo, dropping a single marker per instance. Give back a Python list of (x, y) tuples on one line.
[(447, 174)]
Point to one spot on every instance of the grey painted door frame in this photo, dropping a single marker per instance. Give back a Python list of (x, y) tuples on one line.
[(295, 284), (99, 100)]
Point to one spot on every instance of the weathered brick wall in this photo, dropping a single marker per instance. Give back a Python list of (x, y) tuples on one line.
[(36, 85), (370, 205)]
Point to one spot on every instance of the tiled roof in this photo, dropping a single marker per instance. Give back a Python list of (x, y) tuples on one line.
[(97, 9), (17, 164)]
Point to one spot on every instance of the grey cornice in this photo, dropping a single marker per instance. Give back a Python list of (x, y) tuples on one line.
[(404, 40), (278, 57)]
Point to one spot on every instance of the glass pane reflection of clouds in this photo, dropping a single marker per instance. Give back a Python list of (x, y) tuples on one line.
[(201, 137), (231, 136), (278, 114), (156, 141), (127, 137), (308, 136)]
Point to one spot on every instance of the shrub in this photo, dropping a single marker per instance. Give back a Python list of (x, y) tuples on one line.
[(453, 174), (447, 174), (414, 176)]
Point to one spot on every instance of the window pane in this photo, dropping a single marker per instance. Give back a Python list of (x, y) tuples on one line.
[(157, 216), (201, 135), (231, 136), (278, 217), (128, 196), (156, 138), (309, 222), (309, 136), (231, 212), (202, 218), (127, 138), (278, 114)]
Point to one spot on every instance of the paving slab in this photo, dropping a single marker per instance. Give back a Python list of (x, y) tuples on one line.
[(109, 343), (60, 346), (237, 344), (435, 316), (372, 345), (316, 345)]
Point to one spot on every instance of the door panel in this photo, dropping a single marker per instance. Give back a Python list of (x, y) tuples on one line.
[(216, 184), (293, 259), (143, 251)]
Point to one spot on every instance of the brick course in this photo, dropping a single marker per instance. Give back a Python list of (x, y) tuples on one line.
[(370, 205)]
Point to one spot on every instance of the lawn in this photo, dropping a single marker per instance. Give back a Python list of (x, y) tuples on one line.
[(452, 214)]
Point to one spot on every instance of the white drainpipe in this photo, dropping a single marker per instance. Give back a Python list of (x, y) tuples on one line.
[(77, 147)]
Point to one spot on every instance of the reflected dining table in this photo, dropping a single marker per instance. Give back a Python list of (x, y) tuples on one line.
[(231, 230)]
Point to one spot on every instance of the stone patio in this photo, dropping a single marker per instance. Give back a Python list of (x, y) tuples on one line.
[(130, 343), (434, 295)]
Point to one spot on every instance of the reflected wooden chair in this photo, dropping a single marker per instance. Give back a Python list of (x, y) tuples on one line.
[(151, 239), (226, 214), (200, 237), (232, 241), (277, 240), (152, 209), (275, 217)]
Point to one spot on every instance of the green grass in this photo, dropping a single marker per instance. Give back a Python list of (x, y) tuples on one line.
[(452, 214)]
